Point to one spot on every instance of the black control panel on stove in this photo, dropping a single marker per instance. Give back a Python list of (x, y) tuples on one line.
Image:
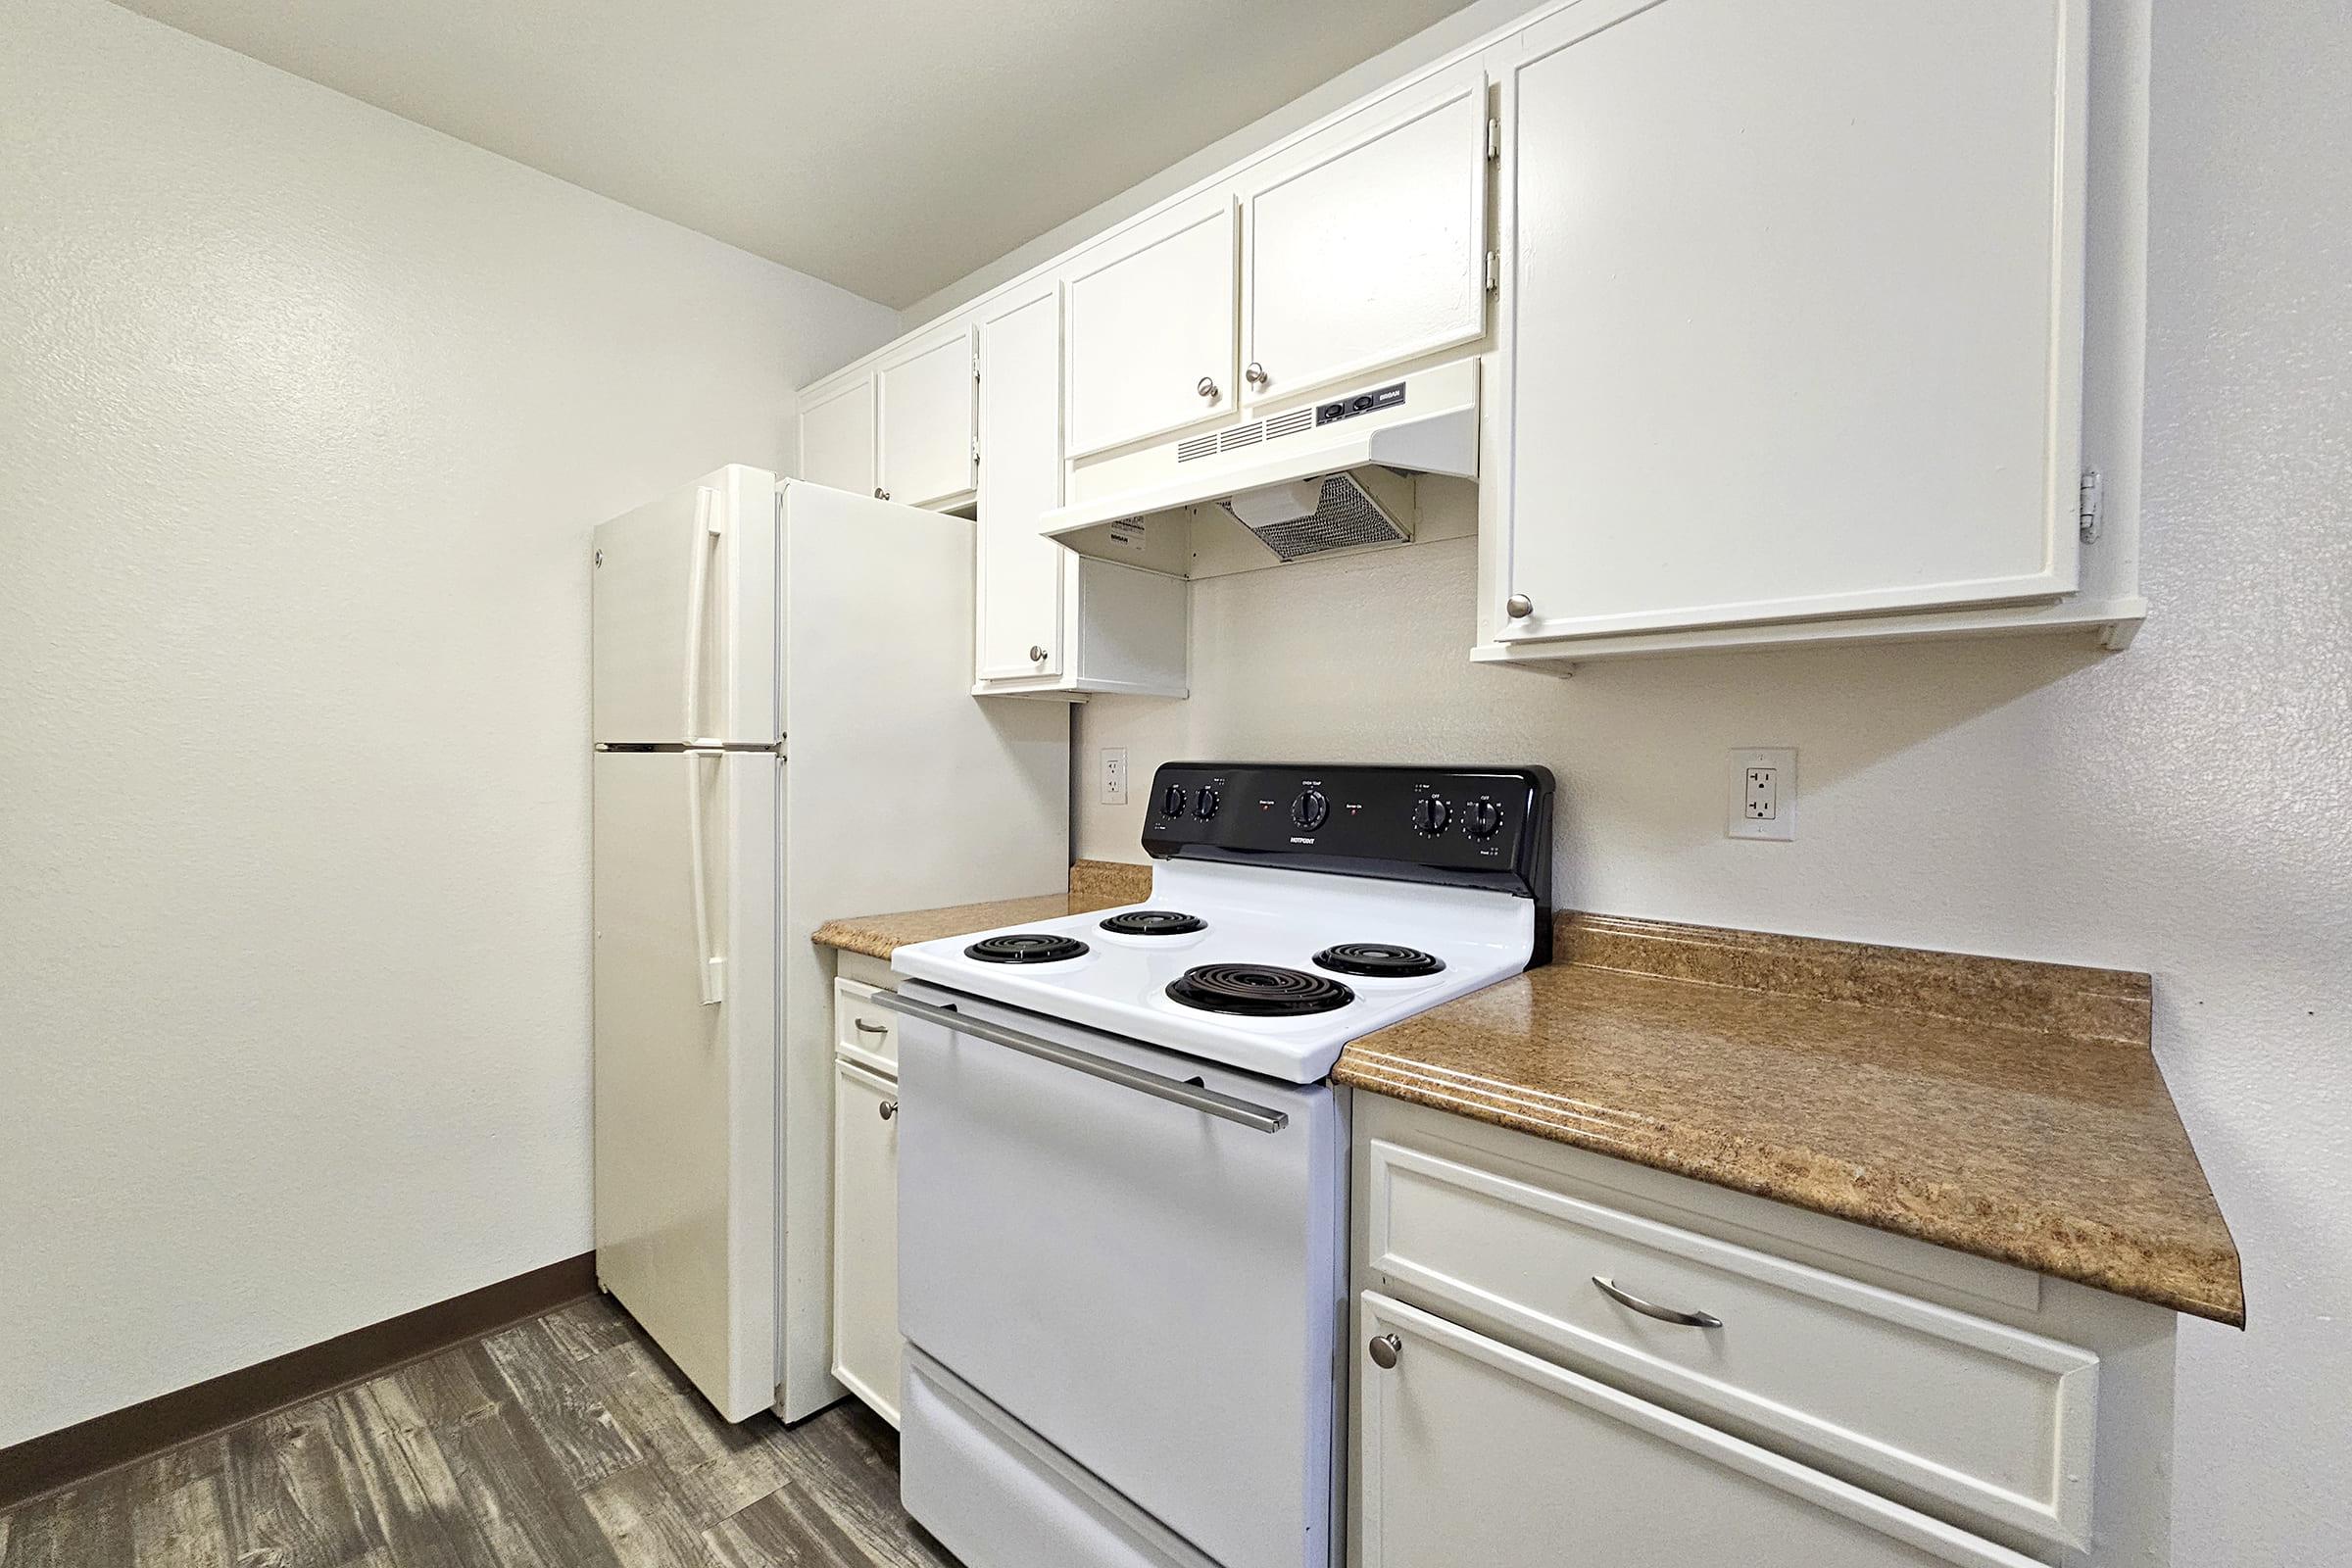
[(1464, 827)]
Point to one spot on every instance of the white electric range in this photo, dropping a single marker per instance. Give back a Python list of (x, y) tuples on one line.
[(1122, 1173)]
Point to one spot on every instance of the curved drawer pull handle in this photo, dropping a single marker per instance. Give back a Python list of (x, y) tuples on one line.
[(865, 1028), (1664, 1314)]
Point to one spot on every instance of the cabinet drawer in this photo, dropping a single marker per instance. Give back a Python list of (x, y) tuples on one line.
[(865, 1033), (1956, 1407), (1473, 1453)]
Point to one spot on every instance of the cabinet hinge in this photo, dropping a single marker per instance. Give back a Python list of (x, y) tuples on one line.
[(975, 449), (1493, 270), (975, 364), (1494, 137), (2091, 501)]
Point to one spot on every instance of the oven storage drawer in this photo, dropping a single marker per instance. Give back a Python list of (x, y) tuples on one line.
[(1152, 1289), (995, 1492), (1955, 1408), (1475, 1453)]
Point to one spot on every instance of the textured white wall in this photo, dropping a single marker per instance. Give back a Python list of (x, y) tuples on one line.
[(305, 414), (2185, 807)]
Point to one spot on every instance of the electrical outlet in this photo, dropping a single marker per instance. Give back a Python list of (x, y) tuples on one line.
[(1763, 794), (1113, 787)]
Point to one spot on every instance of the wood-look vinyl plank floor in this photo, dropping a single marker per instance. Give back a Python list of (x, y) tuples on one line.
[(566, 1442)]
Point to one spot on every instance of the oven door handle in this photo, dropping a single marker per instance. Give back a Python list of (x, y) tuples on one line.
[(1208, 1102)]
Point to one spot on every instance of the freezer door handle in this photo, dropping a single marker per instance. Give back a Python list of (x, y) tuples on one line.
[(709, 965), (1207, 1100), (704, 543)]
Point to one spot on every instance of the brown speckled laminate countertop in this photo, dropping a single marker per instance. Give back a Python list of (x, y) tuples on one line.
[(1094, 885), (2013, 1110), (2005, 1109)]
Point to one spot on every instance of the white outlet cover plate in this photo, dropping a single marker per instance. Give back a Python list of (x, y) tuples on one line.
[(1781, 827), (1111, 772)]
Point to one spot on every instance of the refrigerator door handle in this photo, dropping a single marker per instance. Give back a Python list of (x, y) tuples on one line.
[(709, 965), (704, 544)]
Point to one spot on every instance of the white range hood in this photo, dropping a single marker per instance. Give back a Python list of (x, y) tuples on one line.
[(1336, 474)]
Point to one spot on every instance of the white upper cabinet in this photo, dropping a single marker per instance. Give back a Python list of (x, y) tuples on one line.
[(1019, 632), (1367, 245), (1793, 312), (927, 439), (836, 437), (1152, 329), (1048, 623)]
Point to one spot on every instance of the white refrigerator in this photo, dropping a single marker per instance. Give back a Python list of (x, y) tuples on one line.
[(784, 733)]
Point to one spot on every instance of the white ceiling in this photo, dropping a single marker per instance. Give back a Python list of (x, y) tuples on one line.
[(887, 147)]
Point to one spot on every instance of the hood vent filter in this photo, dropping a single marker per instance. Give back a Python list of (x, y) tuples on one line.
[(1311, 517)]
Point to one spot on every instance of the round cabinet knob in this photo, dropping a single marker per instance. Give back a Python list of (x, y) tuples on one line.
[(1206, 804), (1430, 815), (1173, 799), (1384, 1350), (890, 1109), (1519, 606), (1310, 809), (1481, 817), (1255, 375), (1037, 654), (1207, 387), (881, 494)]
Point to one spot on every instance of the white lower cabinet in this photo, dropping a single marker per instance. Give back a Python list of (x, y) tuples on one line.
[(2010, 1436), (1565, 1358), (1475, 1453), (867, 1353)]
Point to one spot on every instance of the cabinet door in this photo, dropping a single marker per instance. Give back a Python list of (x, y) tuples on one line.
[(837, 438), (1793, 316), (866, 1348), (926, 437), (1473, 1452), (1370, 250), (1151, 324), (1018, 614)]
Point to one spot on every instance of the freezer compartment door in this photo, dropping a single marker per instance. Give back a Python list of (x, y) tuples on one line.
[(1150, 1287), (684, 615), (685, 1060)]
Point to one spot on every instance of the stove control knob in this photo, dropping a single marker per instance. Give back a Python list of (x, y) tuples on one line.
[(1206, 804), (1172, 801), (1430, 815), (1481, 817), (1310, 808)]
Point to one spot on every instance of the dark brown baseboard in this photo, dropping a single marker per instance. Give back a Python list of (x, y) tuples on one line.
[(76, 1453)]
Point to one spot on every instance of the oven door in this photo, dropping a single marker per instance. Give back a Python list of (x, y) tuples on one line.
[(1137, 1257)]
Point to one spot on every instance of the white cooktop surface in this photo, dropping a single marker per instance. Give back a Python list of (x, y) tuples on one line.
[(1255, 917)]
